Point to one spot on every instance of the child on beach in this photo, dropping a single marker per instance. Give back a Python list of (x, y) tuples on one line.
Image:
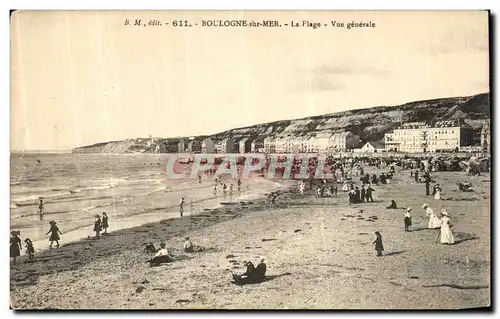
[(379, 247), (408, 220), (105, 224), (30, 250), (54, 233), (97, 225)]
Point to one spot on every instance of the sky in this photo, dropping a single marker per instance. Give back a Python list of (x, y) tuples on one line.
[(83, 77)]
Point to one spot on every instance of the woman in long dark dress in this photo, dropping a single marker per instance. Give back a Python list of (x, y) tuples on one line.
[(15, 245), (105, 224), (379, 246), (54, 233)]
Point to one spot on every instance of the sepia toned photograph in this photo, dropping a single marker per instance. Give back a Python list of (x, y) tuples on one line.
[(256, 160)]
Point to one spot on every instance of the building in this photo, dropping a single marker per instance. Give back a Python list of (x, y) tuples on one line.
[(372, 147), (171, 146), (257, 146), (194, 146), (343, 141), (207, 146), (245, 145), (225, 146), (420, 137), (181, 146), (270, 145), (486, 137), (320, 143)]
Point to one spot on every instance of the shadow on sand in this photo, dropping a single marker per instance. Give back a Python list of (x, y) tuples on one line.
[(462, 237), (268, 278), (421, 228), (393, 253)]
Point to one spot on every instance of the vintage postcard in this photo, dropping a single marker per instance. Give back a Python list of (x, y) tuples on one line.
[(250, 160)]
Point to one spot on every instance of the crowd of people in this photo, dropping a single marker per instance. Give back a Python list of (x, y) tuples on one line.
[(345, 172)]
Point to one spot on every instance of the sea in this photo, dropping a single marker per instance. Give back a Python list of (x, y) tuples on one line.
[(132, 189)]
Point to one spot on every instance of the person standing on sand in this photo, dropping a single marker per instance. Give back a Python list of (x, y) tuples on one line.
[(30, 249), (434, 222), (105, 224), (15, 245), (408, 220), (437, 192), (181, 206), (379, 247), (446, 235), (97, 225), (369, 194), (54, 233), (231, 188), (363, 193), (416, 177), (239, 184)]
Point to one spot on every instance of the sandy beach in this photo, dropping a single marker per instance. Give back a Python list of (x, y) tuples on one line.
[(318, 251)]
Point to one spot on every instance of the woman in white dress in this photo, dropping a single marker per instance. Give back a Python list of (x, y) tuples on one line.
[(437, 192), (345, 187), (434, 221), (446, 233)]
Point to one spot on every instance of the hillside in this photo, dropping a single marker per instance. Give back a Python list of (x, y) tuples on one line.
[(370, 124)]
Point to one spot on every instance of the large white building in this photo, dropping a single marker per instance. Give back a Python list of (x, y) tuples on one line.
[(421, 137), (343, 141), (320, 143)]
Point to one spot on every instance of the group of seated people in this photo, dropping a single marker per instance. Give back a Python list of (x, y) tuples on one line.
[(465, 187), (162, 255), (252, 274)]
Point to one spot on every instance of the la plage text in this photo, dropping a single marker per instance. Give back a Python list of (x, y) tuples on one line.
[(251, 23)]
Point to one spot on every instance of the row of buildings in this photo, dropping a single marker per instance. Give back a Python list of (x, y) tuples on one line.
[(322, 142), (414, 137), (440, 136)]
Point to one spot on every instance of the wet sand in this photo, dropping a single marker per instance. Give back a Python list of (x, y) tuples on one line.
[(318, 251)]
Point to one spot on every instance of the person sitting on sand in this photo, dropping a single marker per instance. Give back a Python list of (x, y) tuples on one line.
[(149, 248), (246, 277), (408, 220), (465, 187), (54, 233), (30, 250), (161, 257), (97, 225), (379, 247), (105, 224), (393, 205), (260, 270), (15, 245), (188, 246)]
